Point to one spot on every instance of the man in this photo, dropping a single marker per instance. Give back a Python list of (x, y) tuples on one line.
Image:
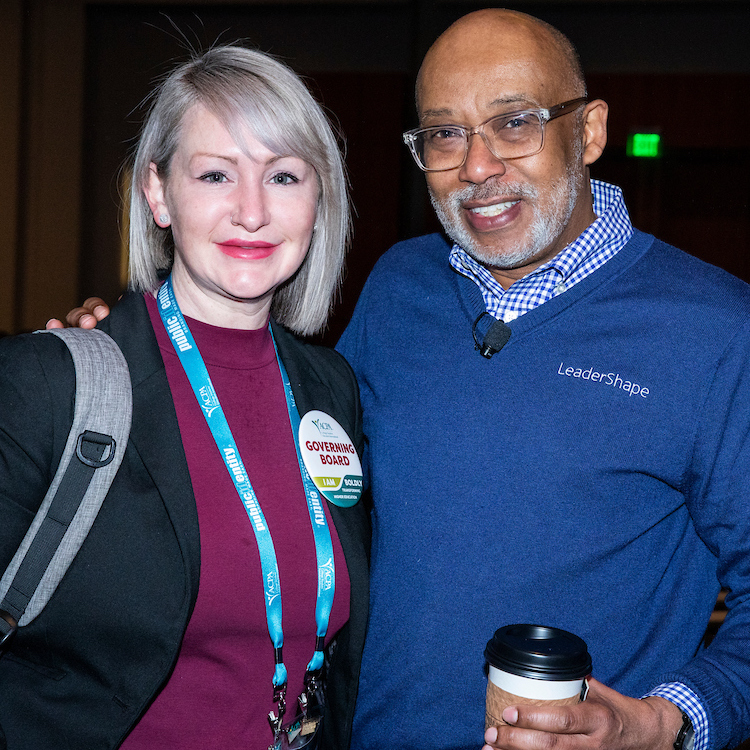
[(593, 473)]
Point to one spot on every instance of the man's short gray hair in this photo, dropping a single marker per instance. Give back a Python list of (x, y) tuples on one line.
[(247, 88)]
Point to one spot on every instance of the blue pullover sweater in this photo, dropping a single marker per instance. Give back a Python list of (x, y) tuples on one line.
[(594, 475)]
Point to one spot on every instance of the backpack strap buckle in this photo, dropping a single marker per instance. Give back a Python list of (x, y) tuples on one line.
[(91, 447)]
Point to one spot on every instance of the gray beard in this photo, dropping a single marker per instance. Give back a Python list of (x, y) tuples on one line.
[(548, 224)]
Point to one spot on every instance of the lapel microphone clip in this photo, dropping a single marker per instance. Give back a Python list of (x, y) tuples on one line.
[(495, 338)]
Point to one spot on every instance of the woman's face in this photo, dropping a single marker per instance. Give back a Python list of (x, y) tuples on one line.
[(242, 220)]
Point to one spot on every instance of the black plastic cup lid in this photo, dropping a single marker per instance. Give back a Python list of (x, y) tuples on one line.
[(539, 652)]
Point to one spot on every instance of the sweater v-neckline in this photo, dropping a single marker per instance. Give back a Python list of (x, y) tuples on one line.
[(472, 302)]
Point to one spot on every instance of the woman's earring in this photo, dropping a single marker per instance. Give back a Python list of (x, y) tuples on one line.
[(163, 219)]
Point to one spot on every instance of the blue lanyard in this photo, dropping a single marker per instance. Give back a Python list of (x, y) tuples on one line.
[(200, 381)]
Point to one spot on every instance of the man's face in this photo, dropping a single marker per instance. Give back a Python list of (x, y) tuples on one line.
[(508, 214), (551, 214)]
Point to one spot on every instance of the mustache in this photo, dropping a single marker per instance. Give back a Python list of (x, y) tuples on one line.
[(493, 189)]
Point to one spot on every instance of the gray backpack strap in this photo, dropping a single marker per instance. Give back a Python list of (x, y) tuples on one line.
[(93, 453)]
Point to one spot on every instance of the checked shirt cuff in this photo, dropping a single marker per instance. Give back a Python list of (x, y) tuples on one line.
[(684, 698)]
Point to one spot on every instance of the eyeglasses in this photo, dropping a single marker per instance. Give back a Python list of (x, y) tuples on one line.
[(509, 136)]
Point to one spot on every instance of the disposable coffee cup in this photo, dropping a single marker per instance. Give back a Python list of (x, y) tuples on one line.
[(534, 665)]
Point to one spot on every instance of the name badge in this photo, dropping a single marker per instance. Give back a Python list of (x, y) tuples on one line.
[(330, 458)]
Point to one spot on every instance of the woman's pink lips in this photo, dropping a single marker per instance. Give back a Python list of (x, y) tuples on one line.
[(247, 250)]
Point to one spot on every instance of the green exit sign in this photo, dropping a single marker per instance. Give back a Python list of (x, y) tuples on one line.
[(644, 145)]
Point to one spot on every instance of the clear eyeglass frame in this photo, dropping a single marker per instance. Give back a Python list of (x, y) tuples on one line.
[(413, 137)]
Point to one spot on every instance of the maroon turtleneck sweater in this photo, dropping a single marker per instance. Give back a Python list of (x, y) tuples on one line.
[(220, 691)]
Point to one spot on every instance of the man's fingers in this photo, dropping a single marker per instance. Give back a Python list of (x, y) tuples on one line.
[(606, 720), (89, 314), (540, 728), (80, 318), (578, 719), (97, 307)]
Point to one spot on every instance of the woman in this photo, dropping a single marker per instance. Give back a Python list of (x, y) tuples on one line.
[(158, 635)]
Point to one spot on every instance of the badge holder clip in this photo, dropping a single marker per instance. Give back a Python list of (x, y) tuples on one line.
[(303, 731), (279, 697)]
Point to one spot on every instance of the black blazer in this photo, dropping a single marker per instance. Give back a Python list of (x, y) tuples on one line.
[(80, 676)]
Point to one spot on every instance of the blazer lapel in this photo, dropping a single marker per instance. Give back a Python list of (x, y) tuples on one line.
[(155, 432)]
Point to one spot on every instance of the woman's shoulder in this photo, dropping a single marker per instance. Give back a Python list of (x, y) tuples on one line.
[(322, 380), (324, 362), (37, 379), (30, 358)]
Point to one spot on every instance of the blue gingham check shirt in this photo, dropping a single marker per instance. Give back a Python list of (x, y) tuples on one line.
[(598, 243), (594, 247)]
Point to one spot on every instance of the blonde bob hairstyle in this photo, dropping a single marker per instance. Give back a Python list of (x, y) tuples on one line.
[(247, 88)]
